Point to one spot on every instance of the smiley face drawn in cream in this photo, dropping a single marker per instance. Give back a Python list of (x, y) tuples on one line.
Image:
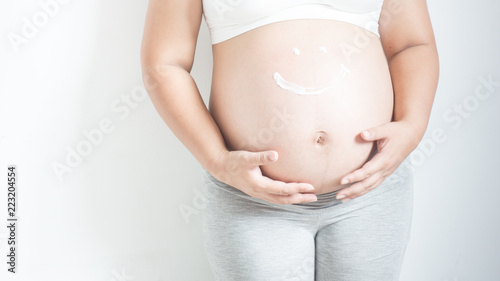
[(300, 90)]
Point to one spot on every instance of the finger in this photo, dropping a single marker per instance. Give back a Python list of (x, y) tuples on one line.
[(377, 163), (282, 188), (262, 158), (292, 198), (376, 133), (360, 188)]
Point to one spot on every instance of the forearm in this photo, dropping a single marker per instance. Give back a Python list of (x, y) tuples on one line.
[(414, 73), (175, 96)]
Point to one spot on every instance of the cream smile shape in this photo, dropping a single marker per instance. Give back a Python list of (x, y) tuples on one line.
[(300, 90)]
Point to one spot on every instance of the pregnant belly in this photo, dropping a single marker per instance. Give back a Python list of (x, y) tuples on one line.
[(306, 89)]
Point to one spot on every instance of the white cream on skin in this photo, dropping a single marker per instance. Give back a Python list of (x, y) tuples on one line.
[(300, 90)]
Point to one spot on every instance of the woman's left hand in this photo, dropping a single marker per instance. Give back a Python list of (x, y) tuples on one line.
[(395, 141)]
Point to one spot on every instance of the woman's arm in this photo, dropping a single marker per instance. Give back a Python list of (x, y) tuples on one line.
[(409, 45), (410, 48), (167, 54)]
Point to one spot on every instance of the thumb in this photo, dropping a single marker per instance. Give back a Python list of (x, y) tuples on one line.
[(376, 133), (263, 157)]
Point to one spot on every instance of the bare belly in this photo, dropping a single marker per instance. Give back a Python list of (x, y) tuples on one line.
[(306, 89)]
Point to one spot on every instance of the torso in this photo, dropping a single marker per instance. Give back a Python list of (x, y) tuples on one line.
[(316, 130)]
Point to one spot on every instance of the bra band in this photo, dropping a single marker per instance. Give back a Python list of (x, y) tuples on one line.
[(229, 18)]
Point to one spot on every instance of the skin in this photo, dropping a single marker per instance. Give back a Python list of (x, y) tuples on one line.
[(410, 47), (167, 56)]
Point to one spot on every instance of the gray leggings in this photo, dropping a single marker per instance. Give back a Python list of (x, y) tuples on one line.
[(247, 238)]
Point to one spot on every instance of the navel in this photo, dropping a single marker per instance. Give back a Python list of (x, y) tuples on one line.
[(321, 138)]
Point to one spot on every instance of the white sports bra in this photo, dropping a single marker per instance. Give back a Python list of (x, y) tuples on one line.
[(229, 18)]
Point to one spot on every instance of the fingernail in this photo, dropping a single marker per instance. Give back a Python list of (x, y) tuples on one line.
[(310, 188), (345, 200), (366, 134), (272, 156), (344, 181), (340, 196)]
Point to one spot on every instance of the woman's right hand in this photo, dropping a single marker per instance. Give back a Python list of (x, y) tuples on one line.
[(241, 169)]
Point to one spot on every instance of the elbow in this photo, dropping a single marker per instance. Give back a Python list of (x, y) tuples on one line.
[(151, 74), (153, 59), (404, 48), (159, 69), (430, 48)]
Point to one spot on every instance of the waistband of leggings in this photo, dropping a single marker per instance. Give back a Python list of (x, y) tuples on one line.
[(404, 171), (324, 199)]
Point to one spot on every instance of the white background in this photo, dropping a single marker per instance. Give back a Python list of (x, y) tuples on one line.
[(116, 215)]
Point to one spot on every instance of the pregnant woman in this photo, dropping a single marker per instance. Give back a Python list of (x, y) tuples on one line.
[(314, 109)]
